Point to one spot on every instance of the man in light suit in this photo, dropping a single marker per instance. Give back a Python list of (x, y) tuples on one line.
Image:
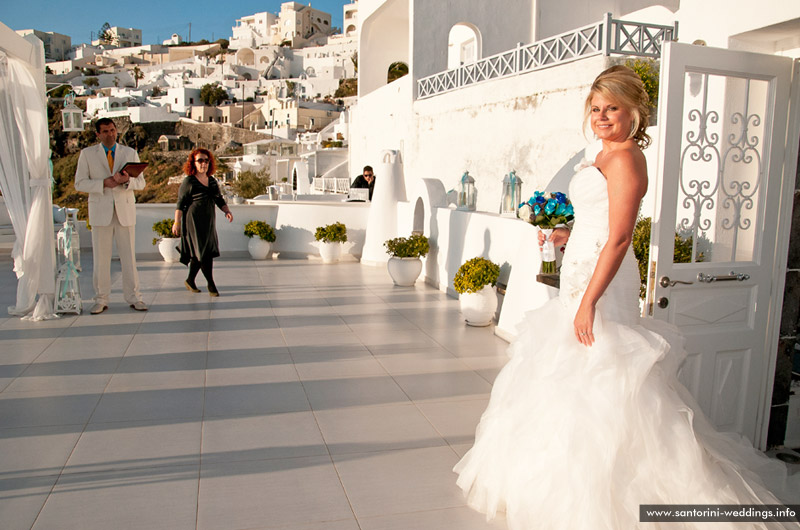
[(112, 213)]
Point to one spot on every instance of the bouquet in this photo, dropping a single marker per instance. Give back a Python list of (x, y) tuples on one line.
[(547, 212)]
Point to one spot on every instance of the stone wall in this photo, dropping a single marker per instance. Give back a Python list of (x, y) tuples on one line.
[(215, 136), (790, 322)]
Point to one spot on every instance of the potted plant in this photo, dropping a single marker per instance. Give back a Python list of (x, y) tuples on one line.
[(330, 238), (260, 245), (473, 282), (405, 264), (167, 243)]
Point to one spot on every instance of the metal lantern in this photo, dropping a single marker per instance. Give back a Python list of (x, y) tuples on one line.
[(512, 191), (467, 196), (71, 115), (68, 289)]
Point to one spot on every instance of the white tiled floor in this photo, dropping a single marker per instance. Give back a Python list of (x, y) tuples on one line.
[(306, 397)]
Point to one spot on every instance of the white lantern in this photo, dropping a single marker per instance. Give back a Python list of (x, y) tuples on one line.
[(467, 196), (71, 115), (68, 289), (512, 191)]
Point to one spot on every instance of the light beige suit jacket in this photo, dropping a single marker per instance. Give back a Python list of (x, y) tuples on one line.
[(92, 170)]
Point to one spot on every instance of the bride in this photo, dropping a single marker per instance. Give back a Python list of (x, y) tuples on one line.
[(588, 421)]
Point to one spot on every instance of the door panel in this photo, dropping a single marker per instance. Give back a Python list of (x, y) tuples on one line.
[(722, 119)]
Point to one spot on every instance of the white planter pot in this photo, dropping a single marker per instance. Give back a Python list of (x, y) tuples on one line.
[(330, 252), (167, 247), (258, 248), (479, 308), (404, 271)]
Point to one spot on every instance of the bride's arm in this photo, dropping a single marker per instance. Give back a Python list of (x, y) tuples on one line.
[(626, 174)]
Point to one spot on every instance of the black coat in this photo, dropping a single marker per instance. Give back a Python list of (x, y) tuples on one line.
[(199, 226)]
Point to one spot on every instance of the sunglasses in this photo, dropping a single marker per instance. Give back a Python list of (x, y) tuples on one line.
[(201, 160)]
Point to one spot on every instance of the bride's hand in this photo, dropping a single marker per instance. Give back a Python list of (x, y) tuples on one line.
[(559, 237), (584, 323)]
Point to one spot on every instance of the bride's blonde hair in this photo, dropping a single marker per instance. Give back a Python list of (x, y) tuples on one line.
[(621, 85)]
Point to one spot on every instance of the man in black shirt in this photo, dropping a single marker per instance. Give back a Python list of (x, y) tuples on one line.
[(365, 180)]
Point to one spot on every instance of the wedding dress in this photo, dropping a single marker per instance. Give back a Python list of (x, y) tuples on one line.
[(577, 438)]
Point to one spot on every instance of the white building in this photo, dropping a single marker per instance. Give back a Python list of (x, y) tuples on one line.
[(350, 17), (174, 40), (252, 31), (297, 25), (123, 37), (56, 45)]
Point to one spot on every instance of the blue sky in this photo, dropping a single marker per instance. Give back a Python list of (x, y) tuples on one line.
[(158, 20)]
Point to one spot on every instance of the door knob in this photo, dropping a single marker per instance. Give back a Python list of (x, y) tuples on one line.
[(663, 302), (666, 282)]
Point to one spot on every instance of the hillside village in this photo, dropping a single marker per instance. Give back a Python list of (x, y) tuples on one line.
[(266, 97)]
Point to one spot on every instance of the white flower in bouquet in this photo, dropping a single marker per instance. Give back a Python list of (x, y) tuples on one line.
[(525, 212)]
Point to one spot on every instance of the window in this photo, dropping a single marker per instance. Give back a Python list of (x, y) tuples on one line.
[(191, 100), (463, 45)]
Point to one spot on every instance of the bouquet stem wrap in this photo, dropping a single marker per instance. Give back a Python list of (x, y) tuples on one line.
[(548, 252)]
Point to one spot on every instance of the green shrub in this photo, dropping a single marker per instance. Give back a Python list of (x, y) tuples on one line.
[(335, 233), (163, 228), (251, 183), (475, 274), (260, 229), (641, 249), (415, 246), (647, 70)]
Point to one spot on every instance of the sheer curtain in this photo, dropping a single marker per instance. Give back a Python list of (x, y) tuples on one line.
[(25, 183)]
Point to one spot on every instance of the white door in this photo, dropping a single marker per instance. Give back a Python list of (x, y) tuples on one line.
[(725, 188)]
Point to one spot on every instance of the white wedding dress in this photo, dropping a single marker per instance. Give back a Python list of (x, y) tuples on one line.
[(576, 438)]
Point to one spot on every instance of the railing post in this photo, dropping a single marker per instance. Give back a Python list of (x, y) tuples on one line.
[(675, 32), (518, 59), (607, 40)]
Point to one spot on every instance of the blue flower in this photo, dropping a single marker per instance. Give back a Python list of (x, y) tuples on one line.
[(560, 197), (550, 206), (561, 209), (570, 210), (537, 209), (538, 196)]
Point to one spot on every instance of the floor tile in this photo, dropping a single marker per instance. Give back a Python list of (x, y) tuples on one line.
[(153, 498), (455, 420), (28, 409), (340, 369), (400, 481), (149, 404), (461, 518), (443, 386), (131, 445), (429, 360), (22, 498), (353, 392), (36, 451), (255, 399), (247, 367), (283, 492), (280, 435), (369, 429)]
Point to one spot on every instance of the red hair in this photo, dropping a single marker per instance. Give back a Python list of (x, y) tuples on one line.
[(190, 169)]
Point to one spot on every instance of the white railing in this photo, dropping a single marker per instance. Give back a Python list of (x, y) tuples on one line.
[(332, 184), (609, 36)]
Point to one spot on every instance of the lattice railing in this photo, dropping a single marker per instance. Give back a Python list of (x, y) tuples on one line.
[(332, 184), (609, 36)]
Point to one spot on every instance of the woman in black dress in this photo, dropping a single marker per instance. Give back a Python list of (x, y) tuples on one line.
[(195, 218)]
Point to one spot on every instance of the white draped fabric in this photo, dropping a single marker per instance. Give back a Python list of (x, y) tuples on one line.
[(25, 177)]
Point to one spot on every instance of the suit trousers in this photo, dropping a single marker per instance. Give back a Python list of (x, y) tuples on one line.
[(124, 236)]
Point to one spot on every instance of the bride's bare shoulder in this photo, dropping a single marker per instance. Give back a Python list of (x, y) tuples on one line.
[(623, 162)]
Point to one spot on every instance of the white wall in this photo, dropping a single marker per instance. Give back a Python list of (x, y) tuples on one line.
[(501, 25), (384, 39), (732, 17)]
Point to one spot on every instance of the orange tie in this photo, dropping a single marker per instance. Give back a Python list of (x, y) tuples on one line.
[(110, 156)]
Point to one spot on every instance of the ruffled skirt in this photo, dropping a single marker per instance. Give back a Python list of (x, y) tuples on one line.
[(578, 438)]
